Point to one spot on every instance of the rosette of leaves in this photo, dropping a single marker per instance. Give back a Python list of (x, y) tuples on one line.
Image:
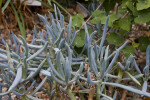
[(15, 67), (20, 65), (145, 75), (62, 71), (101, 62), (56, 29)]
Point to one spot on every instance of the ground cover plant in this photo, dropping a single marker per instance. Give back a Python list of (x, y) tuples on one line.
[(52, 54), (132, 12)]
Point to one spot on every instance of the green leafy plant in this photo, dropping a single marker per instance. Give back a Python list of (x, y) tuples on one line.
[(123, 14), (77, 20), (114, 38)]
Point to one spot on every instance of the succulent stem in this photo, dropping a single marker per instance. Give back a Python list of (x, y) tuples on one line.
[(98, 92), (120, 74), (72, 97)]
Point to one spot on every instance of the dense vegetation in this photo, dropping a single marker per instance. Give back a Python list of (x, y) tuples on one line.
[(91, 59)]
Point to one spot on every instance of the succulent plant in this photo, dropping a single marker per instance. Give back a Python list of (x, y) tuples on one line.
[(51, 54), (100, 63)]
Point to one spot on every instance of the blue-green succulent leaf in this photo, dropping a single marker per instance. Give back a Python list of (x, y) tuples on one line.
[(74, 37), (121, 66), (59, 63), (69, 30), (89, 80), (39, 86), (148, 56), (26, 46), (52, 67), (136, 67), (144, 88), (38, 52), (17, 78), (32, 98), (60, 36), (128, 88), (32, 75), (112, 62), (57, 80), (67, 70), (54, 28), (104, 33), (56, 16)]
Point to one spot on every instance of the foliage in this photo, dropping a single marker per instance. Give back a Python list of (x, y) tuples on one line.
[(114, 38), (77, 20), (128, 50), (51, 54), (80, 38), (100, 16), (122, 16), (143, 43)]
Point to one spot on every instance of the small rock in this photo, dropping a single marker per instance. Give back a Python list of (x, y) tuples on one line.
[(4, 89), (1, 27)]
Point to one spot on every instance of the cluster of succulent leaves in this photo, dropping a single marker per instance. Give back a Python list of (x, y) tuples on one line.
[(51, 54), (128, 12)]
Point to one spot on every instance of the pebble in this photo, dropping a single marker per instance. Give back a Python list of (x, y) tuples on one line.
[(1, 80), (4, 89)]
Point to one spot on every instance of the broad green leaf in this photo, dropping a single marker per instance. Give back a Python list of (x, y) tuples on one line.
[(98, 16), (95, 20), (79, 41), (143, 43), (125, 23), (123, 5), (130, 4), (121, 11), (112, 18), (116, 24), (114, 38), (121, 31), (133, 79), (143, 17), (128, 50), (134, 44), (143, 4), (77, 20), (97, 13)]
